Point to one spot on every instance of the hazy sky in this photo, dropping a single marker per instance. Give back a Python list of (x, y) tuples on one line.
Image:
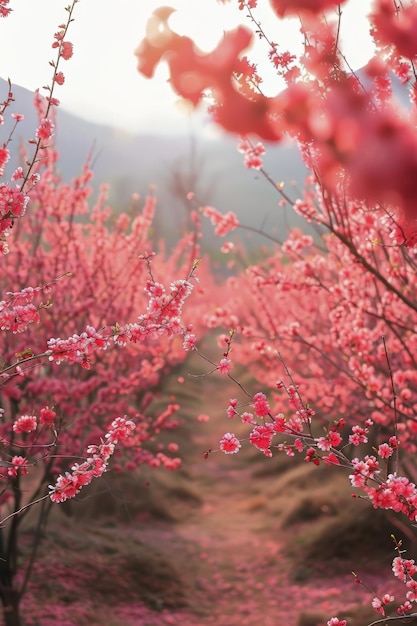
[(102, 83)]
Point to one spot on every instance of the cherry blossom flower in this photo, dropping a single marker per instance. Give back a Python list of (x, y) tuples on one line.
[(224, 223), (252, 154), (47, 416), (4, 158), (294, 7), (45, 129), (224, 366), (4, 11), (70, 484), (59, 78), (261, 436), (260, 404), (189, 342), (229, 444), (67, 50), (25, 424), (335, 621), (19, 467), (359, 435)]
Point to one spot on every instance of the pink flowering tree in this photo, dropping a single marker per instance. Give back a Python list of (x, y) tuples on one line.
[(91, 326), (326, 324)]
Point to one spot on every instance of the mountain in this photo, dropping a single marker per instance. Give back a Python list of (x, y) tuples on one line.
[(176, 164)]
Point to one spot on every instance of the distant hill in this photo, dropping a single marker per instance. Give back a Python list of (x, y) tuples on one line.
[(176, 164)]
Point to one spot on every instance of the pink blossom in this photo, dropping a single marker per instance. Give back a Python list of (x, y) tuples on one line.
[(230, 412), (396, 27), (47, 416), (120, 429), (189, 342), (4, 158), (323, 443), (66, 50), (411, 594), (403, 568), (252, 154), (45, 129), (224, 223), (4, 12), (59, 78), (17, 174), (377, 604), (247, 418), (260, 404), (229, 444), (261, 436), (224, 366), (295, 7), (359, 435), (298, 445), (311, 456), (331, 459), (17, 318), (387, 598), (78, 347), (19, 467), (12, 201), (25, 424), (66, 487), (227, 247), (385, 451), (332, 440)]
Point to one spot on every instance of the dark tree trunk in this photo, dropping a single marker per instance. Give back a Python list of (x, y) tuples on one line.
[(10, 599)]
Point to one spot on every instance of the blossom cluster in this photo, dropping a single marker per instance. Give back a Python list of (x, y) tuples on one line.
[(405, 570), (252, 154), (77, 348), (396, 493), (29, 423), (19, 311), (65, 47), (162, 317), (4, 10), (354, 135), (224, 223), (70, 484), (13, 203)]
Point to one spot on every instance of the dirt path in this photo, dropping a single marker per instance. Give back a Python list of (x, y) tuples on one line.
[(231, 551)]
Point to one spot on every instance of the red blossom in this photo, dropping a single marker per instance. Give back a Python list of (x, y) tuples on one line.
[(45, 129), (59, 78), (224, 366), (396, 26), (19, 467), (66, 50), (261, 437), (47, 416), (260, 404), (4, 11), (25, 424), (229, 444), (294, 7), (194, 73), (335, 621)]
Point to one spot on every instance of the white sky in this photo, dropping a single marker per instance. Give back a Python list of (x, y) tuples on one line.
[(102, 83)]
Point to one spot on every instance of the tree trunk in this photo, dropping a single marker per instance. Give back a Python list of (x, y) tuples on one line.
[(10, 599)]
